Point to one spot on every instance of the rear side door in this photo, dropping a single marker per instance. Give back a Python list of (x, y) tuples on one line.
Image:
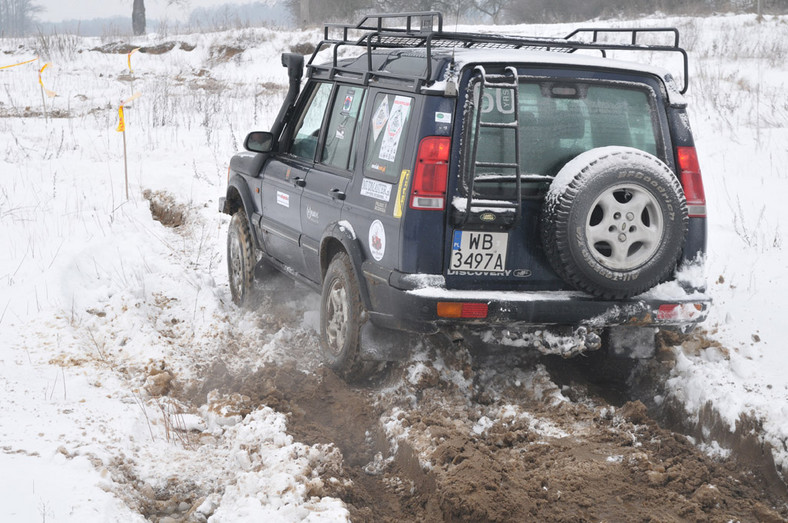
[(327, 182), (285, 177), (387, 142)]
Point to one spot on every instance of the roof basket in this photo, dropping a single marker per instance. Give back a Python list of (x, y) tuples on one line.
[(418, 30)]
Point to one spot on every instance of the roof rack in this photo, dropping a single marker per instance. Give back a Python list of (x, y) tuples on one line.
[(378, 32)]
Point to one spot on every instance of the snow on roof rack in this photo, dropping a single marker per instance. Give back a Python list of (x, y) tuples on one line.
[(417, 30)]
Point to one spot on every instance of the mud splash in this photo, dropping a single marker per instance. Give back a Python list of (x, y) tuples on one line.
[(454, 435)]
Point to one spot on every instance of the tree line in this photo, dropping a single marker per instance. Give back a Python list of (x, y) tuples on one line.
[(17, 17), (307, 12)]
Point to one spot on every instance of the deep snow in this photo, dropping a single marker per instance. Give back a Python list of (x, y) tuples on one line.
[(100, 303)]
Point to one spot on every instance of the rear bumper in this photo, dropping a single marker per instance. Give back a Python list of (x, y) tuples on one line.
[(410, 302)]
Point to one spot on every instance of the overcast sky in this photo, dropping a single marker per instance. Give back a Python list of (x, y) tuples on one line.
[(59, 10)]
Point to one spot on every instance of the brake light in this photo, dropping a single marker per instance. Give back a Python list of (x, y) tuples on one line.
[(453, 309), (691, 181), (428, 191)]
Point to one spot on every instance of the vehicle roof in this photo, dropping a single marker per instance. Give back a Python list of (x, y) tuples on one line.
[(412, 62)]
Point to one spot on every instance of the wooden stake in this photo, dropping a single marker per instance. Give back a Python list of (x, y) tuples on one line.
[(44, 105), (125, 164)]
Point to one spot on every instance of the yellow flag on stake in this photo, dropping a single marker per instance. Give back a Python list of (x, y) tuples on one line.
[(20, 63), (122, 121), (129, 58), (49, 93)]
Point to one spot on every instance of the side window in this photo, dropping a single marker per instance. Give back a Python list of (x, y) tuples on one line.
[(307, 130), (388, 131), (342, 125)]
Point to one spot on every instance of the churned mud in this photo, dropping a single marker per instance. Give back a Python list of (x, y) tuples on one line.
[(461, 435)]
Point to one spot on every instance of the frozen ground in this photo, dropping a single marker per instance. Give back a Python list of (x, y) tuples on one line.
[(116, 327)]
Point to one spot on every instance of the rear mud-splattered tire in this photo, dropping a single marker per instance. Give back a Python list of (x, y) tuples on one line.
[(240, 259), (614, 222), (341, 316)]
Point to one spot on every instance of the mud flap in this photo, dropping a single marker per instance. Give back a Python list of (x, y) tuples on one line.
[(382, 344)]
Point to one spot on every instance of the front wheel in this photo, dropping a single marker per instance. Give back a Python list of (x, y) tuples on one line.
[(341, 314), (240, 258)]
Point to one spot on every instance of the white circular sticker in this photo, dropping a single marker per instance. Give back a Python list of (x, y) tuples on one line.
[(377, 240)]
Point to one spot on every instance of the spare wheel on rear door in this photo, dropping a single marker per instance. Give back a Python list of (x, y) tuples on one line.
[(614, 222)]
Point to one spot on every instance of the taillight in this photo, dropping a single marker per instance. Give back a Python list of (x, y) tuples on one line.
[(692, 182), (428, 191), (453, 309), (678, 312)]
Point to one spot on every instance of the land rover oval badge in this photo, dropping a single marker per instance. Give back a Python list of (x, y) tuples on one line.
[(487, 217)]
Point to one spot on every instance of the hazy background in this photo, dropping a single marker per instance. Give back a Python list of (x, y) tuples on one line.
[(114, 17)]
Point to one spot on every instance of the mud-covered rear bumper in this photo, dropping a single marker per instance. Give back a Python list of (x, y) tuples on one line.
[(410, 303)]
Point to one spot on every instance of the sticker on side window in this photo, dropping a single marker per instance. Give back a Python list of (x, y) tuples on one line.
[(380, 118), (393, 132)]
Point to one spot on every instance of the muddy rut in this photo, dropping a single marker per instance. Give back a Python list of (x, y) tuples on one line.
[(466, 434)]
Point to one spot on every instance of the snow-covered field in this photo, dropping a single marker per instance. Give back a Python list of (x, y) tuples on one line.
[(104, 310)]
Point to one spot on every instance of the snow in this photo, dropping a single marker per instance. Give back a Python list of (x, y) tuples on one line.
[(100, 303)]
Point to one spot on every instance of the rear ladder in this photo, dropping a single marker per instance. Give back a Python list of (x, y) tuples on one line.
[(508, 80)]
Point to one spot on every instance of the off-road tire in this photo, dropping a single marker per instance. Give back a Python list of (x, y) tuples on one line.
[(240, 259), (341, 316), (614, 222)]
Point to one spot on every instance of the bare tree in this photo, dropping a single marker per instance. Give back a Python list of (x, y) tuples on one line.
[(138, 17), (16, 17), (492, 8), (138, 14)]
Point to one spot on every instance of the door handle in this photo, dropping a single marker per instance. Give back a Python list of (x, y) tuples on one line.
[(299, 182), (337, 194)]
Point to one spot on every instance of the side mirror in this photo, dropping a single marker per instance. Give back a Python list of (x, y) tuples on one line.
[(259, 142)]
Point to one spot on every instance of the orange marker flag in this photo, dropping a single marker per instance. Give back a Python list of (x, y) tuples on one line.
[(20, 63), (122, 121), (49, 93), (129, 58)]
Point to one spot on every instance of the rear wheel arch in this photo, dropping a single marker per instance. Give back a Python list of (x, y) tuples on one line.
[(338, 239)]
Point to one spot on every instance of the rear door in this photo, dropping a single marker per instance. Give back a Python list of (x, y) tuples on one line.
[(285, 176), (557, 118), (387, 141)]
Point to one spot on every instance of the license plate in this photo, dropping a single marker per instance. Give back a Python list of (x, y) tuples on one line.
[(479, 251)]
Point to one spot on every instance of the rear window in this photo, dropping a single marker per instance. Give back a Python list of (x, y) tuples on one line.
[(556, 122)]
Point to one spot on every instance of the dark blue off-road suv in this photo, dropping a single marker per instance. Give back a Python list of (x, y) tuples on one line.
[(533, 189)]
